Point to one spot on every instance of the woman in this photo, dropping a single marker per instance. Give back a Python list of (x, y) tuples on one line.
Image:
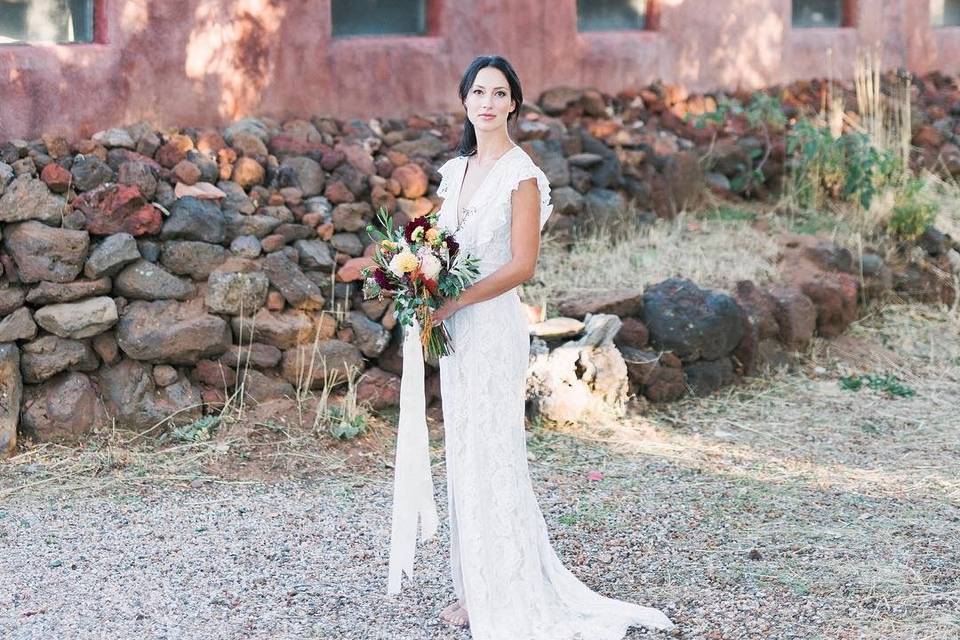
[(509, 582)]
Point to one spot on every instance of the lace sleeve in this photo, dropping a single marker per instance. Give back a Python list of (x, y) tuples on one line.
[(445, 171), (528, 170)]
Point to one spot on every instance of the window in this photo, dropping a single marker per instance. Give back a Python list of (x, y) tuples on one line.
[(823, 13), (46, 21), (945, 13), (615, 15), (378, 17)]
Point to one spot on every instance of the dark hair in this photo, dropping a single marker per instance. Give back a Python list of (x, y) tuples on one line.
[(468, 141)]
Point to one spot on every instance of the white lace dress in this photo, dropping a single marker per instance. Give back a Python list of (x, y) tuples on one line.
[(504, 568)]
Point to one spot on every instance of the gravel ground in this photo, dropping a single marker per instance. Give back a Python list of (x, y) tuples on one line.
[(785, 509)]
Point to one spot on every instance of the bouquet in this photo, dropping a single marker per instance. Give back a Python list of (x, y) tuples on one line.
[(421, 266)]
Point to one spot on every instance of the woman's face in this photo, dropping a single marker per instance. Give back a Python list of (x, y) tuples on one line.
[(488, 101)]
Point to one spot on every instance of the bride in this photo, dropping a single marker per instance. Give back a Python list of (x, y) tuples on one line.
[(509, 582)]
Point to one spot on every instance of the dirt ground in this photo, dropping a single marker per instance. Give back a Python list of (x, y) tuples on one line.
[(791, 506)]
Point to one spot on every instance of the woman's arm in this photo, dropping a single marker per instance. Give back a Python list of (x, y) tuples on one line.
[(524, 245)]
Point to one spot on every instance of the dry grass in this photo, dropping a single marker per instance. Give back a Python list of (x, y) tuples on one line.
[(713, 252), (851, 498)]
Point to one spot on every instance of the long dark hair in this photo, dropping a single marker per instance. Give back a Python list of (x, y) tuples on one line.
[(468, 141)]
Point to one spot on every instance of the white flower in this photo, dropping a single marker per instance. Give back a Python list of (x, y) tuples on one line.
[(403, 262), (430, 266)]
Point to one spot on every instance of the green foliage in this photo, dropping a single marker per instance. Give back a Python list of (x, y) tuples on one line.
[(847, 168), (344, 426), (888, 384), (764, 113), (197, 431), (912, 212)]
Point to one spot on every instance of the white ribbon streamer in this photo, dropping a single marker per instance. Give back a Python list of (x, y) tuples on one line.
[(412, 483)]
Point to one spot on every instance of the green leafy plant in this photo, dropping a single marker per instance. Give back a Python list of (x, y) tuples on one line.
[(888, 384), (197, 431), (847, 167), (912, 212)]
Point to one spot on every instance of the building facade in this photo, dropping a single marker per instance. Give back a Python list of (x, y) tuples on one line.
[(73, 67)]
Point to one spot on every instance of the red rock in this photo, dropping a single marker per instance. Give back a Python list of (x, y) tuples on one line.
[(633, 333), (213, 398), (350, 270), (273, 242), (56, 178), (413, 180), (345, 334), (379, 388), (215, 374), (325, 231), (312, 219), (338, 193), (286, 145), (275, 301), (796, 316), (247, 144), (174, 150), (381, 197), (835, 297), (114, 208), (210, 141), (187, 172), (247, 172), (359, 157)]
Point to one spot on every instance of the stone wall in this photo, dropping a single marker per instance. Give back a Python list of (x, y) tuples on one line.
[(143, 272)]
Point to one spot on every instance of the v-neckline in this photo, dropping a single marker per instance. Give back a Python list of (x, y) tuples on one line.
[(483, 182)]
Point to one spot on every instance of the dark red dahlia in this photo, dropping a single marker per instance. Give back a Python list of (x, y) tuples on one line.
[(381, 279), (412, 226), (452, 246)]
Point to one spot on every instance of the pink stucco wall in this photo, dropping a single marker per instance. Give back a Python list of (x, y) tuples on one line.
[(206, 62)]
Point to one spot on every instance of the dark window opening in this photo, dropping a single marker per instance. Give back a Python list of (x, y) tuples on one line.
[(24, 21), (820, 13), (615, 15), (945, 13), (378, 17)]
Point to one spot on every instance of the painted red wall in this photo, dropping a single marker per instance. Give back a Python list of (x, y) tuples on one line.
[(206, 62)]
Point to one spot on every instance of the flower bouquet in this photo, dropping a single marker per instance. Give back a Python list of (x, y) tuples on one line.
[(421, 266)]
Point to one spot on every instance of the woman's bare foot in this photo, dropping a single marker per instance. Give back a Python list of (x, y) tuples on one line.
[(455, 614)]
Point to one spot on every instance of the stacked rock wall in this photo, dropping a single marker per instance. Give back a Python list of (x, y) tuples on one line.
[(143, 272)]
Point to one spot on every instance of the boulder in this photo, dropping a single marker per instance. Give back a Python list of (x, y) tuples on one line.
[(195, 219), (691, 322), (370, 336), (297, 289), (111, 255), (64, 409), (118, 208), (134, 401), (379, 389), (18, 325), (28, 199), (283, 330), (144, 280), (172, 332), (46, 253), (192, 258), (11, 392), (57, 292), (706, 376), (47, 356), (236, 293), (78, 320), (619, 302)]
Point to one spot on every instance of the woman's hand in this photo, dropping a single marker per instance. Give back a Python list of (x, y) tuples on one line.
[(446, 310)]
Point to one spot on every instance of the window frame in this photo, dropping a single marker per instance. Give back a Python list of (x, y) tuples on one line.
[(930, 22), (431, 19), (651, 21), (100, 32), (848, 16)]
